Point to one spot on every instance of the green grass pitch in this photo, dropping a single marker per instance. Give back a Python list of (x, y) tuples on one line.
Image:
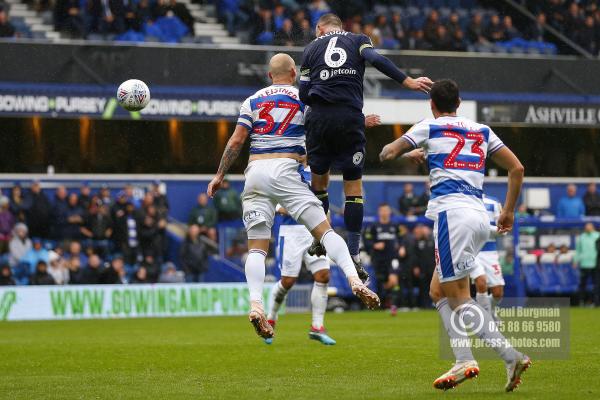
[(377, 357)]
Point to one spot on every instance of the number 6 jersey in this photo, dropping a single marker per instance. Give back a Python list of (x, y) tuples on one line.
[(334, 66), (274, 116), (456, 149)]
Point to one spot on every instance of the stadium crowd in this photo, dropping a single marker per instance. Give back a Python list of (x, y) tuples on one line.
[(82, 237), (93, 237), (410, 25)]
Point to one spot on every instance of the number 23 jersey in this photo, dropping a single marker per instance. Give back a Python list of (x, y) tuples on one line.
[(334, 67), (456, 149)]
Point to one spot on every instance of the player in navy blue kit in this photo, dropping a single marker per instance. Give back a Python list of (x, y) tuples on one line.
[(331, 83)]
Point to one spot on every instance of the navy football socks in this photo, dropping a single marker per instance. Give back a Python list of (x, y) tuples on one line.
[(353, 218)]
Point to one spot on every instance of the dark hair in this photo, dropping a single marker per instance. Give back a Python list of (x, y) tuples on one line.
[(383, 205), (444, 94), (330, 19)]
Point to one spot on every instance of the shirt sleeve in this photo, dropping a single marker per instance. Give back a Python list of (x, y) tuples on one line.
[(364, 42), (245, 119), (494, 143), (417, 135)]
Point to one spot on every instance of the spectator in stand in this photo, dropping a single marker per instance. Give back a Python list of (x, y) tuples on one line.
[(75, 215), (152, 267), (17, 203), (152, 234), (7, 223), (126, 234), (35, 255), (262, 27), (69, 17), (423, 261), (114, 273), (586, 258), (75, 271), (75, 253), (6, 28), (6, 278), (586, 35), (570, 206), (118, 209), (193, 255), (430, 29), (141, 276), (572, 20), (167, 8), (279, 17), (228, 12), (442, 41), (161, 202), (456, 33), (98, 224), (297, 19), (106, 16), (60, 211), (510, 32), (129, 194), (171, 275), (417, 41), (85, 196), (19, 244), (205, 216), (57, 269), (105, 195), (591, 200), (495, 31), (91, 273), (227, 202), (408, 204), (41, 276), (307, 34), (475, 31), (385, 32), (285, 36), (538, 31), (398, 31), (38, 212), (369, 30)]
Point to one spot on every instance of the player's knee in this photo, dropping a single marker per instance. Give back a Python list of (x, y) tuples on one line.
[(322, 276), (287, 282), (353, 187)]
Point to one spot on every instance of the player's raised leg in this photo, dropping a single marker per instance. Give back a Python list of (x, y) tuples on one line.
[(255, 276), (305, 208), (280, 291)]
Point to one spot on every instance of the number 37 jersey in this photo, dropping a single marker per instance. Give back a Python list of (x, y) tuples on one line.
[(274, 117), (456, 149)]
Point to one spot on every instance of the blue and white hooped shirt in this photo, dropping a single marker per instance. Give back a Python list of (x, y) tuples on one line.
[(456, 149), (274, 116)]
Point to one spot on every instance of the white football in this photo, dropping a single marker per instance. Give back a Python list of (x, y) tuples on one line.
[(133, 95)]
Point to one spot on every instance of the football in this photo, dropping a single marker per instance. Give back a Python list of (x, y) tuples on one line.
[(133, 95)]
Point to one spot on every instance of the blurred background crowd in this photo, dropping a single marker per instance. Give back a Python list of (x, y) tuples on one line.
[(446, 25)]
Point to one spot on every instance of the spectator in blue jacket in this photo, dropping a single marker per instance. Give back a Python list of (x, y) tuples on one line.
[(570, 206)]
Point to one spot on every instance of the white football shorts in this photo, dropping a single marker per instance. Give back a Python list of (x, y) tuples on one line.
[(490, 261), (459, 235), (273, 181), (294, 241)]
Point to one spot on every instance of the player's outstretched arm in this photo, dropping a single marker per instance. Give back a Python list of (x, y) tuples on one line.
[(506, 159), (230, 154), (402, 147), (387, 67)]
